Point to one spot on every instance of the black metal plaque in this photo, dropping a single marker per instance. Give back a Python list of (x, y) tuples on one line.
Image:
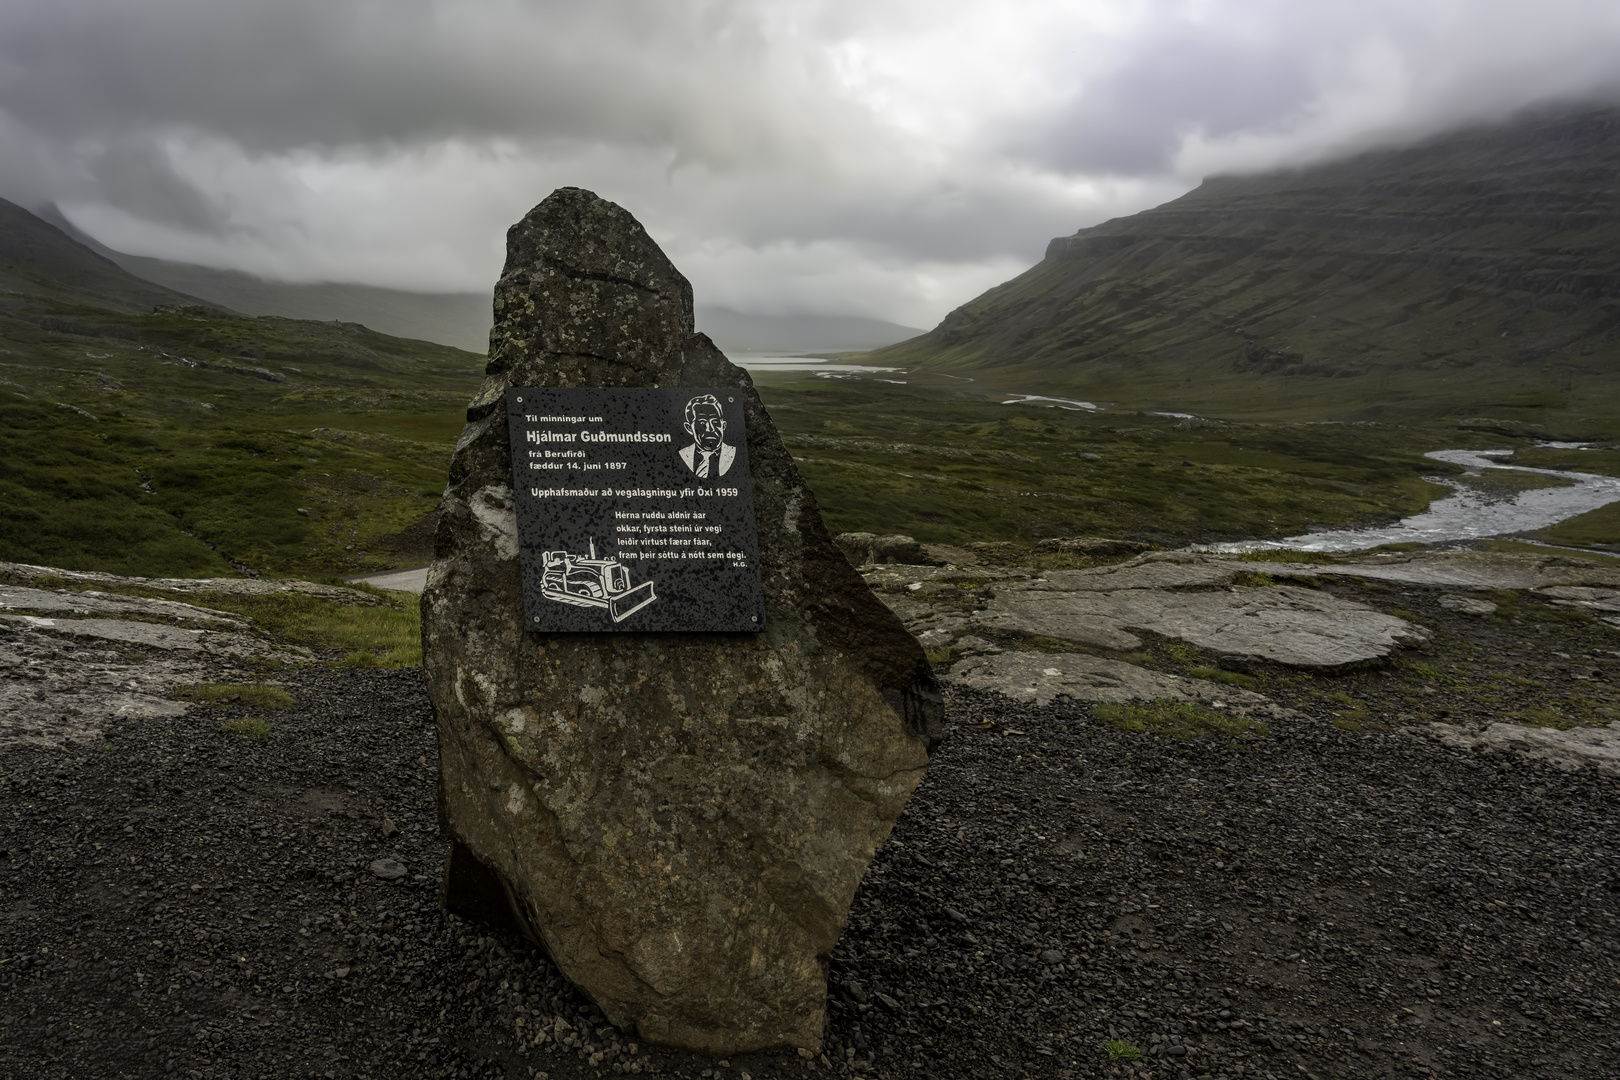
[(634, 510)]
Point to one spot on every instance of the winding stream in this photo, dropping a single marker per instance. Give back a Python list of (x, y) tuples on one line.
[(1469, 514)]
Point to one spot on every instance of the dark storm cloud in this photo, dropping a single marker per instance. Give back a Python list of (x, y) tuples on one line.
[(875, 156)]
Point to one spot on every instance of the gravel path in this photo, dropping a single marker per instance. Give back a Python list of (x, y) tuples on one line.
[(1320, 903)]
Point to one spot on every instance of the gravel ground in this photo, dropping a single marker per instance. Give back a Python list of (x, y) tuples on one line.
[(1324, 902)]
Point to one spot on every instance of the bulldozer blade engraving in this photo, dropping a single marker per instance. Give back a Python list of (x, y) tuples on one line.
[(627, 604)]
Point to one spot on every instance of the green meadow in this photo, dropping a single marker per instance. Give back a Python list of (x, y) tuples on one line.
[(192, 442)]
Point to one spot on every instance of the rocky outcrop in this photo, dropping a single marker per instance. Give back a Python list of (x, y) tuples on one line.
[(869, 549), (681, 819), (74, 661), (1577, 748), (1196, 599)]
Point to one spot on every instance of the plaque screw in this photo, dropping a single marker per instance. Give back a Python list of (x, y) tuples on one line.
[(755, 618), (520, 401)]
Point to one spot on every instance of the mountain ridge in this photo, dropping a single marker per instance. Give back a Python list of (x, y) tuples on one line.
[(1365, 286), (463, 320)]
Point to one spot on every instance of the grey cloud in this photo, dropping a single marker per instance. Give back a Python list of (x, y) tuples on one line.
[(1131, 120), (300, 137), (331, 73)]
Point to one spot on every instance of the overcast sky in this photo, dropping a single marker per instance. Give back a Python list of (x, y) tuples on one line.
[(889, 158)]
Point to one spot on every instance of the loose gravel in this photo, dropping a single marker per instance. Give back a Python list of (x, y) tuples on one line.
[(184, 901)]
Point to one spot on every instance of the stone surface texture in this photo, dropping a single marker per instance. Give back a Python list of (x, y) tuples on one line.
[(1194, 599), (1597, 747), (1041, 678), (73, 661), (681, 819)]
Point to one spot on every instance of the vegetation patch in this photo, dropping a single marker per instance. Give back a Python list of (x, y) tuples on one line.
[(251, 726), (1182, 653), (1289, 555), (370, 635), (1120, 1050), (1231, 678), (247, 695), (1177, 719)]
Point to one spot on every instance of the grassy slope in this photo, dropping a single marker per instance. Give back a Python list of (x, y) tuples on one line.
[(1474, 276), (185, 441)]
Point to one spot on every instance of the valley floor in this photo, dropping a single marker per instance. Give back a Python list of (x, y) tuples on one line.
[(1306, 899)]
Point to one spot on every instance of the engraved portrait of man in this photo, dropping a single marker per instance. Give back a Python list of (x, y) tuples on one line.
[(708, 455)]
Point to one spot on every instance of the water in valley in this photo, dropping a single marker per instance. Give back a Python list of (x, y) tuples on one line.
[(1467, 514)]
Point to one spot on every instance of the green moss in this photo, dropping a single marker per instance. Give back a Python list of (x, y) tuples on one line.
[(252, 727), (247, 695), (1177, 719), (1231, 678), (1182, 653), (1290, 555)]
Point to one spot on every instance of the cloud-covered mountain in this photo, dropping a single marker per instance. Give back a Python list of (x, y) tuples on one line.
[(1477, 273)]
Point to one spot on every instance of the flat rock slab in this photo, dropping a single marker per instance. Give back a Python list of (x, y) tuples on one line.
[(1460, 569), (27, 573), (67, 676), (1041, 678), (1575, 748), (1285, 624), (80, 604), (149, 635), (1183, 595)]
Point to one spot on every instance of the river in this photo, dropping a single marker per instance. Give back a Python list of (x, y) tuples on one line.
[(1467, 514)]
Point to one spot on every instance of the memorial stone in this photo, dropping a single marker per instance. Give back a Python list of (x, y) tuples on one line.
[(681, 816)]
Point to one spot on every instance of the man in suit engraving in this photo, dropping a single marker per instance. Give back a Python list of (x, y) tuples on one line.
[(708, 455)]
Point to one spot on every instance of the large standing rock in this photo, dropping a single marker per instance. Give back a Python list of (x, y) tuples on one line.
[(681, 819)]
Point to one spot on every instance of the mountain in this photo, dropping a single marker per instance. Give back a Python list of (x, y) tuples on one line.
[(464, 319), (1475, 273), (38, 260)]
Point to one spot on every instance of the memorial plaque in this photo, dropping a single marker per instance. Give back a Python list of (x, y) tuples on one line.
[(634, 510)]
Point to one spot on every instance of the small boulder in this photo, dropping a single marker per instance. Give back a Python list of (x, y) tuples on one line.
[(868, 549), (1467, 605), (388, 869)]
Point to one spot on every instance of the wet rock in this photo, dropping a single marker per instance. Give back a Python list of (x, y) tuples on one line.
[(1285, 624), (59, 602), (867, 549), (26, 574), (1457, 569), (1576, 748), (1467, 605), (1041, 678), (1190, 597), (65, 676), (682, 819)]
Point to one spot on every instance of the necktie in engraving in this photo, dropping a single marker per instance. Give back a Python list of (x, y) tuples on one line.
[(703, 464)]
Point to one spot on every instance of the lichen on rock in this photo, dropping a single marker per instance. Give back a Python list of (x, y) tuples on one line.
[(681, 819)]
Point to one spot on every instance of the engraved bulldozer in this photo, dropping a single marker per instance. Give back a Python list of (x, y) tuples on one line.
[(586, 581)]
